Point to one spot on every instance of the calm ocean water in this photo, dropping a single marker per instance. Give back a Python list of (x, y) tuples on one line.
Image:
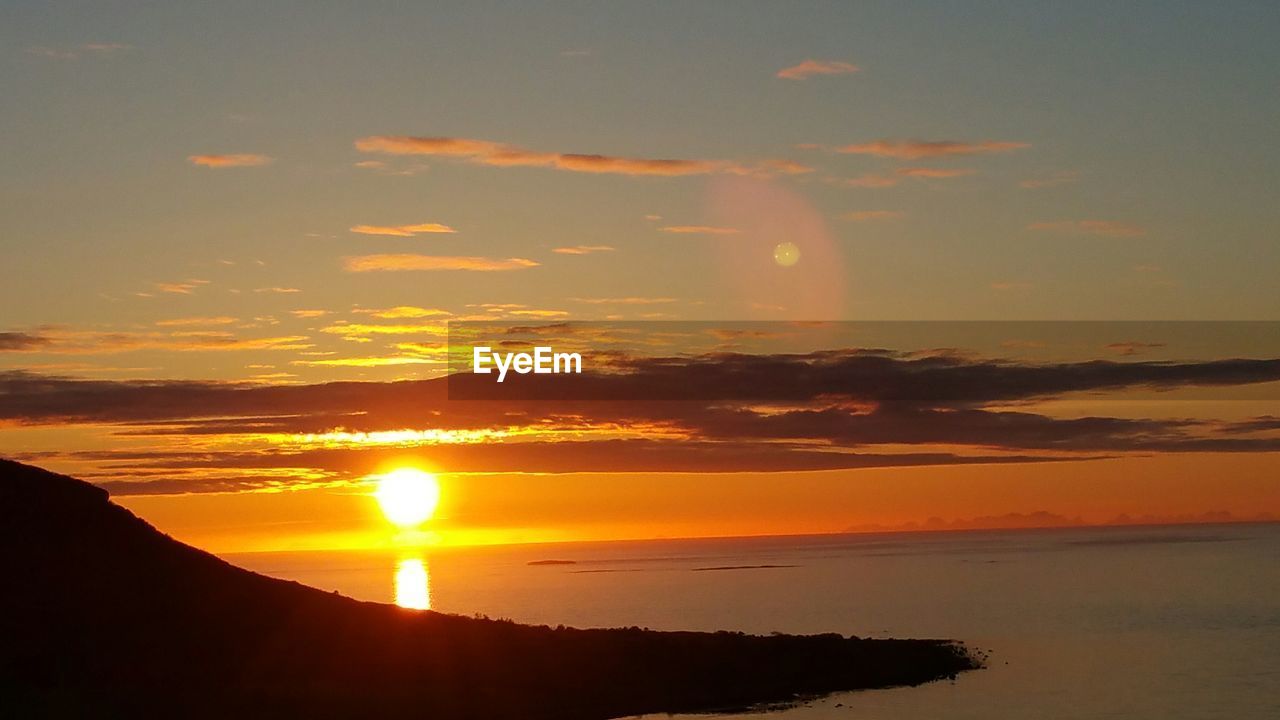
[(1144, 622)]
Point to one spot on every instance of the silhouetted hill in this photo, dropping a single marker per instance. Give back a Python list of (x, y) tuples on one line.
[(101, 615)]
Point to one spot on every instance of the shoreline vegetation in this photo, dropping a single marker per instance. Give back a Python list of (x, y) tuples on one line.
[(108, 617)]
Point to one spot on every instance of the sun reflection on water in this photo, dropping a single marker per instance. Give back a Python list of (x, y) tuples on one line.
[(413, 584)]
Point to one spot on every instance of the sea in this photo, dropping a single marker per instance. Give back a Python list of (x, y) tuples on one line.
[(1161, 622)]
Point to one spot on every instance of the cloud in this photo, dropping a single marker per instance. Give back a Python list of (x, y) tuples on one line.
[(365, 362), (869, 180), (402, 230), (361, 330), (934, 173), (699, 230), (307, 314), (485, 152), (402, 312), (409, 261), (198, 321), (229, 161), (582, 249), (491, 153), (278, 290), (1105, 228), (99, 49), (21, 342), (185, 287), (865, 215), (1129, 349), (916, 149), (624, 300), (831, 409), (809, 68), (82, 342)]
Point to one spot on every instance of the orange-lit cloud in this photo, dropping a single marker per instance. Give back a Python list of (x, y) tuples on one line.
[(184, 287), (624, 300), (78, 51), (278, 290), (809, 68), (410, 261), (402, 311), (369, 361), (402, 230), (916, 149), (869, 180), (358, 330), (21, 341), (1105, 228), (1130, 349), (934, 173), (61, 341), (699, 230), (198, 321), (229, 161), (491, 153), (582, 249), (865, 215), (307, 314)]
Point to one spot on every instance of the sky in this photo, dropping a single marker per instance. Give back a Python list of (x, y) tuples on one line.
[(212, 213)]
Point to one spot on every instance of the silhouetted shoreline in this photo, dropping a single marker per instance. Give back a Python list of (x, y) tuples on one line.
[(105, 616)]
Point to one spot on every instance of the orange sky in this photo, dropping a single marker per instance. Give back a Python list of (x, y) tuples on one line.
[(233, 260)]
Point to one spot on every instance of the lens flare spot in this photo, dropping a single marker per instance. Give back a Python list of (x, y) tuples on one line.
[(786, 254)]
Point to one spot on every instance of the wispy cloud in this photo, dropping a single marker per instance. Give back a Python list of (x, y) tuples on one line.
[(809, 68), (365, 362), (409, 261), (699, 230), (492, 153), (869, 180), (185, 287), (1129, 349), (361, 330), (403, 311), (486, 152), (66, 341), (198, 321), (21, 341), (582, 249), (935, 173), (402, 230), (916, 149), (866, 215), (1105, 228), (98, 49), (278, 290), (230, 160), (624, 300)]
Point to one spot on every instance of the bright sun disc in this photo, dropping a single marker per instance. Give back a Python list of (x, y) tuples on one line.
[(408, 497)]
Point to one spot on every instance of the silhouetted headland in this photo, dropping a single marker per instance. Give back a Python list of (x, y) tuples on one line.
[(103, 616)]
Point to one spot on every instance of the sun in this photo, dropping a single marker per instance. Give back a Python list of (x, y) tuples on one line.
[(408, 496)]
